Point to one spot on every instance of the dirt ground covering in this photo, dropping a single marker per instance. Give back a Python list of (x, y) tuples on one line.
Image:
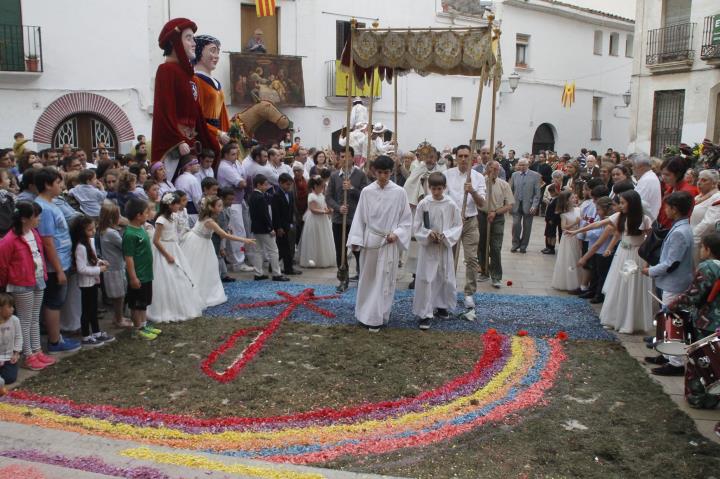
[(604, 417)]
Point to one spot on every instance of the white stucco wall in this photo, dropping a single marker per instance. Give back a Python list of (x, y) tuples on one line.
[(111, 50), (701, 83)]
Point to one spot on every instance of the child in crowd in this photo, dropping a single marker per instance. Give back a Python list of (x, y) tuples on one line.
[(566, 276), (152, 191), (262, 228), (158, 173), (23, 274), (183, 223), (587, 215), (317, 248), (188, 183), (11, 342), (139, 265), (552, 221), (223, 220), (283, 218), (114, 279), (89, 193), (599, 254), (7, 202), (175, 296), (202, 260), (627, 307), (437, 228), (89, 267), (674, 272), (127, 182), (209, 186)]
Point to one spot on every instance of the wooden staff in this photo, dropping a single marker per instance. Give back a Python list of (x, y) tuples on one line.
[(395, 124), (343, 273), (469, 172), (486, 266), (370, 119)]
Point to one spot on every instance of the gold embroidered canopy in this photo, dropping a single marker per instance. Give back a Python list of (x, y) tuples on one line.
[(451, 51)]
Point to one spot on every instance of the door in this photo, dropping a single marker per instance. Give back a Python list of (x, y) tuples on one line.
[(12, 55), (667, 123), (249, 22), (87, 132), (544, 139)]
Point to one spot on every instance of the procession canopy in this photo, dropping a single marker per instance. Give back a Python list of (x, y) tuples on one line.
[(451, 51)]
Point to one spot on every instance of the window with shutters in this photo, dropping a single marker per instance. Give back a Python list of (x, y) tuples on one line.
[(598, 46), (522, 50)]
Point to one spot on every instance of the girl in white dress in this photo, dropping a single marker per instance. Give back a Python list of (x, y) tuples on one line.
[(175, 296), (628, 307), (200, 251), (317, 248), (566, 276)]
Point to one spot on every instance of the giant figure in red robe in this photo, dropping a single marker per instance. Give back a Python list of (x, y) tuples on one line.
[(178, 122)]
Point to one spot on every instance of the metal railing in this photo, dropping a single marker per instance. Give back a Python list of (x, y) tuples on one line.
[(670, 44), (711, 38), (596, 133), (20, 48)]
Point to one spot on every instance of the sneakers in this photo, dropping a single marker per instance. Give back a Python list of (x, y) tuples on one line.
[(34, 364), (144, 334), (424, 324), (63, 346), (261, 277), (245, 268), (469, 302), (482, 277), (150, 328), (104, 337), (442, 313), (90, 342), (373, 329), (45, 359), (496, 283)]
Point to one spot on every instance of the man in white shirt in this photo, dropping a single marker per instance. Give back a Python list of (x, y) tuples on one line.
[(457, 188), (307, 162), (276, 164), (648, 184), (207, 158)]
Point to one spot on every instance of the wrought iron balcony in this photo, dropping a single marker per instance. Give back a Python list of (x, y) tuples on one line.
[(20, 48), (671, 44), (710, 50), (596, 133)]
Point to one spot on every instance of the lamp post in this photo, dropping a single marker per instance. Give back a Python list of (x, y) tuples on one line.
[(627, 97), (514, 81)]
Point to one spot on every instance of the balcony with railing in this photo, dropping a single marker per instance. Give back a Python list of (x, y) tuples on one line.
[(336, 91), (596, 133), (710, 49), (671, 48), (20, 49)]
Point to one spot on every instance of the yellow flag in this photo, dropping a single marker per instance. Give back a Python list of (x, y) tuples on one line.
[(568, 96)]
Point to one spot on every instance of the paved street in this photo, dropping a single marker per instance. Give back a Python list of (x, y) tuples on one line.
[(530, 274)]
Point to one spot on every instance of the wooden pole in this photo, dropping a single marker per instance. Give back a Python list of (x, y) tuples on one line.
[(395, 124), (370, 119), (343, 273), (495, 87), (469, 172)]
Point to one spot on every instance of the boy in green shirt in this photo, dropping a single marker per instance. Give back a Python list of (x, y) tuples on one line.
[(139, 265)]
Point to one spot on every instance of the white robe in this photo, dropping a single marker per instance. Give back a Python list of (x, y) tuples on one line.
[(358, 142), (379, 212), (435, 285), (358, 114)]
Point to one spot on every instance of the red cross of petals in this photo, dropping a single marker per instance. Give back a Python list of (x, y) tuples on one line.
[(305, 299)]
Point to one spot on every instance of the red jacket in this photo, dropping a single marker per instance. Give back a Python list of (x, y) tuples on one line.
[(16, 262), (680, 186)]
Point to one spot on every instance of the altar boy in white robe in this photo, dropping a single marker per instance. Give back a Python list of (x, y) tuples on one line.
[(380, 230), (437, 227)]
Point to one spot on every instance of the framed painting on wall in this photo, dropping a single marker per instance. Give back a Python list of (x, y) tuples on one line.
[(275, 78)]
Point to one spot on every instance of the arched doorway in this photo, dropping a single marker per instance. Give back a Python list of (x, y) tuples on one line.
[(84, 119), (85, 131), (544, 138)]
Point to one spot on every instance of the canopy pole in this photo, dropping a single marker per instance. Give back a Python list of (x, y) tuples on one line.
[(343, 273), (370, 119), (395, 124), (469, 171)]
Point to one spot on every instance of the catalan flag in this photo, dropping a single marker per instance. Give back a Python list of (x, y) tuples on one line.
[(265, 8)]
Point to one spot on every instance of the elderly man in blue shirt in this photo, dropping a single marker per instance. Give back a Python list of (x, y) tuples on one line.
[(674, 272)]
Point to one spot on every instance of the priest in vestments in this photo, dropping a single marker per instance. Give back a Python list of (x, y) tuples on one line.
[(380, 230), (178, 122)]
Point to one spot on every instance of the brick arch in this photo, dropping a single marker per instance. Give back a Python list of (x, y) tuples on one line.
[(82, 102)]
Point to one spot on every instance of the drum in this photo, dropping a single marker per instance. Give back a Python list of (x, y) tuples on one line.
[(672, 333), (704, 355)]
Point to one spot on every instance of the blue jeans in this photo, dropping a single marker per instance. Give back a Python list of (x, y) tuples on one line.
[(8, 373)]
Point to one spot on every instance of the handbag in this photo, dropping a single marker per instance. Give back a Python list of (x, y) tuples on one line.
[(652, 246)]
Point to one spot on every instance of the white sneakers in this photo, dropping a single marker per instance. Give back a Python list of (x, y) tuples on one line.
[(469, 302)]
